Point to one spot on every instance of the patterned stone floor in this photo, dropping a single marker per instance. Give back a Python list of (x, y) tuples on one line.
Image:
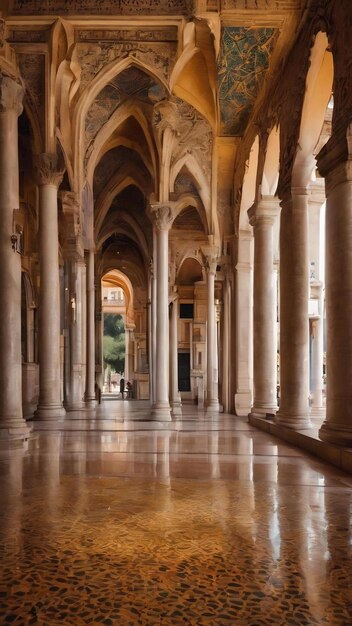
[(118, 520)]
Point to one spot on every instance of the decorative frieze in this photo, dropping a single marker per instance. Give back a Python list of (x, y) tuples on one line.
[(27, 36), (101, 7), (261, 5), (128, 34)]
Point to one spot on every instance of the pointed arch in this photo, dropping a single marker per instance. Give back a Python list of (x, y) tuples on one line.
[(108, 73), (122, 114), (186, 200), (195, 171), (103, 205)]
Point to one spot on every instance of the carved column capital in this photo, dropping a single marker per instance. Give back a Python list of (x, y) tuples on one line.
[(211, 259), (48, 170), (161, 216), (11, 95)]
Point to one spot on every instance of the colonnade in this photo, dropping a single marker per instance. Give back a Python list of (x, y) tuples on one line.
[(294, 411), (334, 163)]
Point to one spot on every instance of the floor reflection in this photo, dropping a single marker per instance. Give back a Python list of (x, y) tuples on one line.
[(205, 521)]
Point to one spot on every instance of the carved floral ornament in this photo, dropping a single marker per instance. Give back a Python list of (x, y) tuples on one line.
[(211, 259), (162, 216), (48, 169)]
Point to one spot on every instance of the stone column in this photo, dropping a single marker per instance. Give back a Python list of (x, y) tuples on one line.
[(49, 179), (294, 321), (153, 320), (162, 217), (175, 398), (317, 357), (12, 424), (77, 269), (244, 324), (212, 370), (90, 382), (337, 171), (226, 345), (262, 218)]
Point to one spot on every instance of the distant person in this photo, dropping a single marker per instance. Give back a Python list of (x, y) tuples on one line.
[(97, 393), (122, 387), (129, 389)]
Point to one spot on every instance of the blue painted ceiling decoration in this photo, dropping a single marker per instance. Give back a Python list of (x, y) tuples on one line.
[(243, 62)]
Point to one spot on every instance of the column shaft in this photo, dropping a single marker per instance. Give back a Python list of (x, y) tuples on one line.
[(50, 405), (12, 424), (212, 381), (90, 383), (76, 269), (154, 318), (317, 407), (175, 394), (264, 314), (161, 408), (294, 325), (244, 324), (337, 427), (162, 218)]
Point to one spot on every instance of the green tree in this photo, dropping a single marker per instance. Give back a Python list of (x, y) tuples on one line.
[(114, 342)]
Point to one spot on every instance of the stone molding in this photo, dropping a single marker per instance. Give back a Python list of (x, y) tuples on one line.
[(48, 170)]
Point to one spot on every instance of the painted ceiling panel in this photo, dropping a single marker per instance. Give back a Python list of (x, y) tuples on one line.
[(243, 62)]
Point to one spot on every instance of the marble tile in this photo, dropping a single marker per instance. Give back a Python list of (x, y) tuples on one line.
[(119, 521)]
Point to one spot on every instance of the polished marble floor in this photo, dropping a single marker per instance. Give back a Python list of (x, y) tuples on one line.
[(118, 520)]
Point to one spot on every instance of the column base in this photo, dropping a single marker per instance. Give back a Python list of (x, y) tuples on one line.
[(50, 412), (176, 409), (296, 422), (336, 433), (213, 406), (161, 413), (14, 430), (317, 411), (268, 410), (243, 403)]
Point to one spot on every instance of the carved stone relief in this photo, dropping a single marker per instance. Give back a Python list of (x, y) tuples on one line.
[(27, 36), (274, 5), (32, 68), (93, 57), (131, 34), (132, 82), (98, 7), (194, 136)]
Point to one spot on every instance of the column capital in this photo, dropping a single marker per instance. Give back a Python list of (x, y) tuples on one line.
[(11, 95), (48, 169), (335, 159), (161, 215), (264, 211), (211, 258)]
